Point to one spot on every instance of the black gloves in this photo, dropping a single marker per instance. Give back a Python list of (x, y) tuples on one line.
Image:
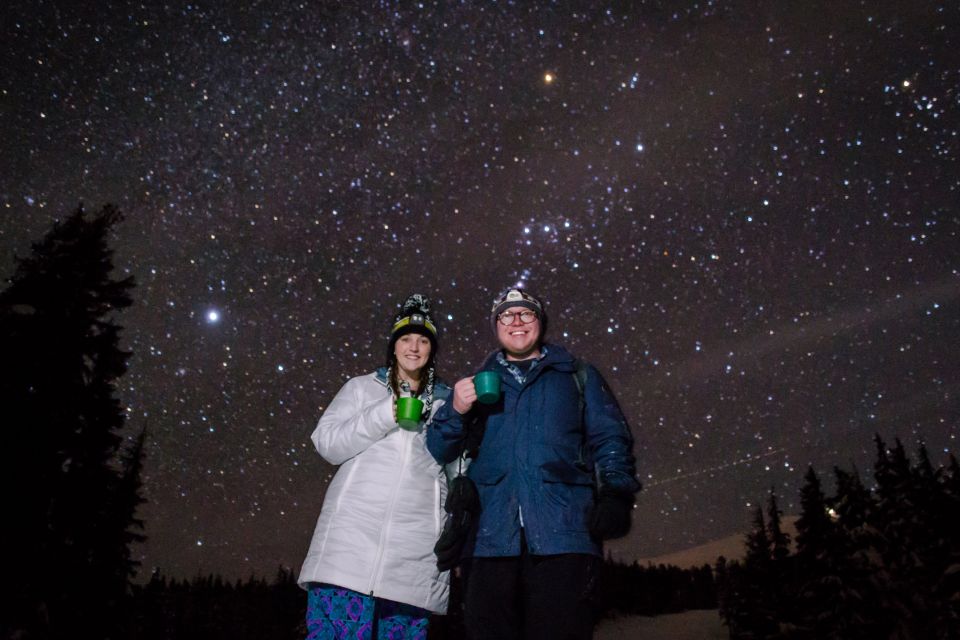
[(610, 517), (463, 507)]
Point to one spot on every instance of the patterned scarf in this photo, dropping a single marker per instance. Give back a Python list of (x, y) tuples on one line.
[(515, 371)]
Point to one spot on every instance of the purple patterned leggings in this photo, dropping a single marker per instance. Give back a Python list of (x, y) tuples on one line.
[(335, 613)]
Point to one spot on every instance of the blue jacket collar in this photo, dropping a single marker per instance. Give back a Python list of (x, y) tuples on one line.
[(556, 358)]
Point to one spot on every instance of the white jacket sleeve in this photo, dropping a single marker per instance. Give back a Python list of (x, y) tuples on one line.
[(352, 423)]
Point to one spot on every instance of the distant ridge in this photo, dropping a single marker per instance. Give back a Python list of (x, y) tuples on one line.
[(732, 548)]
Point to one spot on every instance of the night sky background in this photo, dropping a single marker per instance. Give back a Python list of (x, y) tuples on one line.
[(744, 213)]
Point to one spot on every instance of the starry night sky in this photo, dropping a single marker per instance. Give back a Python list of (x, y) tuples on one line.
[(744, 213)]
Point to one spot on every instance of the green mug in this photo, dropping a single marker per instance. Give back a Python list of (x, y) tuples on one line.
[(409, 411), (487, 384)]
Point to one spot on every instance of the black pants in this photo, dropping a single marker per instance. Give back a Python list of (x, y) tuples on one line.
[(531, 597)]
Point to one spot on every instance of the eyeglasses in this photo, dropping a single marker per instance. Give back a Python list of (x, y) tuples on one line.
[(526, 317)]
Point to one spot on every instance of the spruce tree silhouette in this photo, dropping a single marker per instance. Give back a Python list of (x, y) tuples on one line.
[(781, 564), (757, 606), (818, 578), (814, 527), (69, 492)]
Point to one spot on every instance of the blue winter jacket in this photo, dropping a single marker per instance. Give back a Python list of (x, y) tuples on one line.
[(528, 460)]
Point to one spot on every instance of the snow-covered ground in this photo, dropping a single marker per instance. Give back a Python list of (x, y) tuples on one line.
[(690, 625)]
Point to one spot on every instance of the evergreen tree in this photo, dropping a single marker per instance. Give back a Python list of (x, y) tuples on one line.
[(948, 580), (896, 541), (818, 579), (814, 527), (852, 503), (758, 542), (939, 572), (60, 444), (127, 527), (952, 478), (855, 606), (726, 601), (913, 543), (779, 541), (781, 579), (758, 587)]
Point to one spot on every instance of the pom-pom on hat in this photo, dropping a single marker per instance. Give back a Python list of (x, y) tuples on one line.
[(414, 317), (517, 298)]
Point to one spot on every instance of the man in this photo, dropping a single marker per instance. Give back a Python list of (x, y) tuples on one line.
[(555, 476)]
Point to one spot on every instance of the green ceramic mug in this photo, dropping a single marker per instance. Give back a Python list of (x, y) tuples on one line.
[(409, 411), (487, 384)]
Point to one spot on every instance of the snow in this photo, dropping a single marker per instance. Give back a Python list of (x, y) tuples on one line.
[(703, 624)]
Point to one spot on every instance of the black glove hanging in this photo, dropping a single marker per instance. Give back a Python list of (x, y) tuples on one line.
[(462, 507), (610, 517)]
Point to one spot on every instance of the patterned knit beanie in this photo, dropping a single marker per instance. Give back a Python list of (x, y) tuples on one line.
[(518, 298), (414, 317)]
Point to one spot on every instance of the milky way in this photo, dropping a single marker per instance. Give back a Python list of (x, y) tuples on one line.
[(744, 213)]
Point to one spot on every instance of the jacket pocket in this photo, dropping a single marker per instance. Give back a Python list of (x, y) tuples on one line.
[(567, 493), (565, 471)]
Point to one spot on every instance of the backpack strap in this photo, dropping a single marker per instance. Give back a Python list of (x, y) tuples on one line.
[(580, 378), (583, 461)]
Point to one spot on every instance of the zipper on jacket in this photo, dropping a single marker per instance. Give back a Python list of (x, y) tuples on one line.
[(385, 531)]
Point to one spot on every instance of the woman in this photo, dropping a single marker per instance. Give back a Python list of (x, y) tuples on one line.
[(370, 571)]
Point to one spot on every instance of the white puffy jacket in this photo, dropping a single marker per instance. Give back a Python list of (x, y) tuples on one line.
[(383, 510)]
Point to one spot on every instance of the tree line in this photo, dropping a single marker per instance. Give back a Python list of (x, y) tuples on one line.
[(878, 563), (210, 607)]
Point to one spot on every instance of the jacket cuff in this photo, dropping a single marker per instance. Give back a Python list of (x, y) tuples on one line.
[(612, 483)]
